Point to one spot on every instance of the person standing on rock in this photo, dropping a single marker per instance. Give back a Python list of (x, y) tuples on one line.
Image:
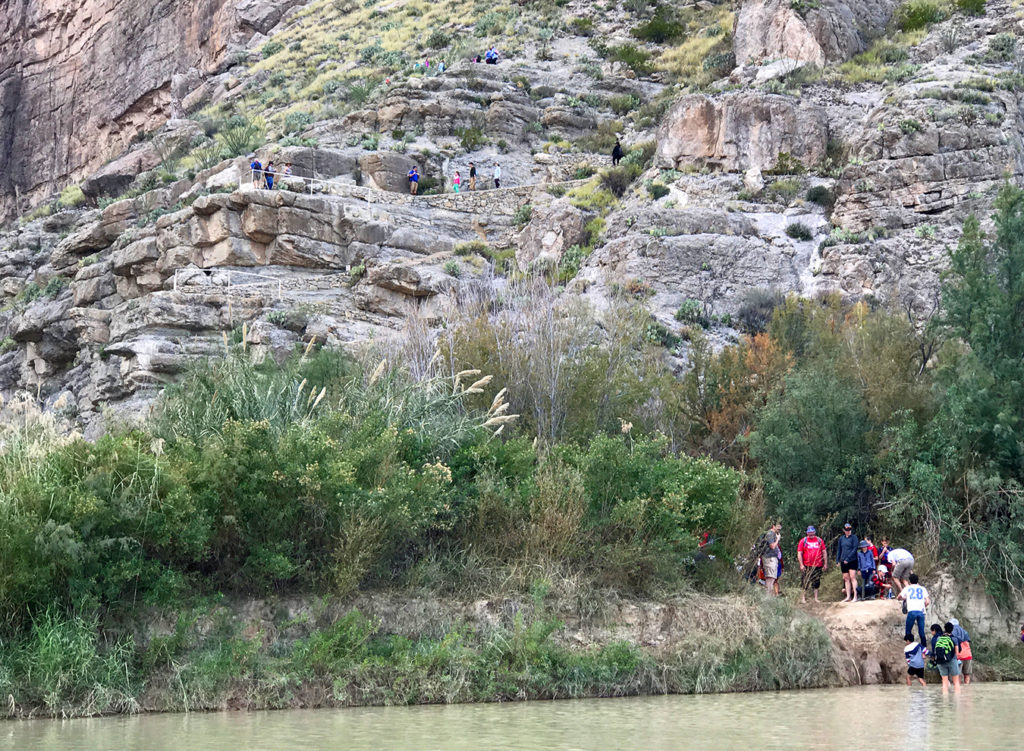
[(901, 562), (472, 176), (914, 655), (457, 181), (963, 649), (270, 172), (414, 181), (917, 600), (497, 175), (616, 153), (812, 556), (846, 555)]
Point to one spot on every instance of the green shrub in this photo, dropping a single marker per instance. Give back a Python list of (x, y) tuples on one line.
[(821, 195), (756, 308), (70, 197), (917, 14), (1002, 48), (473, 247), (582, 26), (799, 231), (523, 215), (437, 39), (452, 268), (660, 28), (618, 179), (470, 138), (240, 135), (296, 122), (657, 190), (270, 49), (719, 63), (694, 312), (634, 58), (971, 7), (623, 104)]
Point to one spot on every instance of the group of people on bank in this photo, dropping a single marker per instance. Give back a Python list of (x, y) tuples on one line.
[(884, 573), (264, 176)]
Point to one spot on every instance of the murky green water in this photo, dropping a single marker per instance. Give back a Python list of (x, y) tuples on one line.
[(890, 717)]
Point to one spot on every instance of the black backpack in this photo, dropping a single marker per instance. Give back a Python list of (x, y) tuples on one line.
[(945, 649)]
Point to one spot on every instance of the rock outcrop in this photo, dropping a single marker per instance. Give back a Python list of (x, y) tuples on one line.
[(99, 74), (737, 132), (835, 30)]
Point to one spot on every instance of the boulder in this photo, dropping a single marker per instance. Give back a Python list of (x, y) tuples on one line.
[(552, 230), (387, 170), (740, 131)]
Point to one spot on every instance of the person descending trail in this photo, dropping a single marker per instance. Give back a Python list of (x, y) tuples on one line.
[(616, 153), (270, 172), (457, 182), (812, 555), (846, 555), (901, 563), (917, 600), (914, 654), (414, 181)]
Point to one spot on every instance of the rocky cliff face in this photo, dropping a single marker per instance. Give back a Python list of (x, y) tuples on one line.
[(852, 179), (81, 81)]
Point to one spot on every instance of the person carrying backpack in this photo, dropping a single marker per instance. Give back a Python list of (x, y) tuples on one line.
[(616, 152), (943, 653), (963, 648), (914, 655)]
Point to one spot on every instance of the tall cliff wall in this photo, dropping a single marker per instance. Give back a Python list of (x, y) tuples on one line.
[(79, 81)]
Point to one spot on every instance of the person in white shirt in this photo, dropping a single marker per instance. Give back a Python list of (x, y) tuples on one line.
[(497, 175), (902, 563), (917, 601)]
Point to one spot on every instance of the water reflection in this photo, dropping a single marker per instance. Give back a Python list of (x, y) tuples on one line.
[(892, 717)]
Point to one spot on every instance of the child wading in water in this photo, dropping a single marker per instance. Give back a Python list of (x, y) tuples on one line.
[(457, 182), (914, 654)]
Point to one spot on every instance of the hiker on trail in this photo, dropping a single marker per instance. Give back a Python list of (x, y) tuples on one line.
[(414, 180), (943, 653), (497, 175), (901, 563), (472, 176), (270, 172), (778, 531), (491, 56), (866, 564), (914, 655), (457, 181), (287, 169), (616, 152), (440, 67), (916, 598), (846, 554), (257, 171), (812, 556), (770, 558), (963, 649)]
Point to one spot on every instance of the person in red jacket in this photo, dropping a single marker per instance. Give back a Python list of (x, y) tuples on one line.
[(813, 559)]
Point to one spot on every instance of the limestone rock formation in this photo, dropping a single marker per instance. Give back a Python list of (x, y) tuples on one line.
[(768, 30), (737, 132), (99, 74)]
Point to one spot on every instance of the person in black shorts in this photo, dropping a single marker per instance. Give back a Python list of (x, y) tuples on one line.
[(846, 555), (914, 654), (812, 555)]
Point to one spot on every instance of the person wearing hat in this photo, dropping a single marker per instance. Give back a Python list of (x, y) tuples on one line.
[(846, 555), (812, 556), (866, 564)]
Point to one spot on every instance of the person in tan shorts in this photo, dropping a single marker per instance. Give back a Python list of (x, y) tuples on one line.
[(472, 176)]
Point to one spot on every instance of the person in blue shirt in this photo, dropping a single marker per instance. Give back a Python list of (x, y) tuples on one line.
[(914, 654), (270, 172), (866, 565), (257, 171), (414, 181)]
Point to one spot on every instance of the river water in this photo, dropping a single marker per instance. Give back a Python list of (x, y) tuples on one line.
[(985, 716)]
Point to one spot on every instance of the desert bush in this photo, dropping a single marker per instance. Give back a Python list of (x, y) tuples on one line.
[(660, 28), (917, 14), (799, 231), (821, 195), (618, 179), (971, 7)]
